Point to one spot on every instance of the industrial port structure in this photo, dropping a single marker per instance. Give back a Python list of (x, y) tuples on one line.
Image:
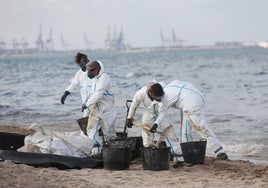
[(114, 42)]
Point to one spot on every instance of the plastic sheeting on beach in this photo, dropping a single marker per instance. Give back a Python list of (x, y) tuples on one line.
[(51, 160), (68, 144)]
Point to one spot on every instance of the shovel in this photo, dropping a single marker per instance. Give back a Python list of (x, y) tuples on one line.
[(124, 133), (146, 128), (163, 134)]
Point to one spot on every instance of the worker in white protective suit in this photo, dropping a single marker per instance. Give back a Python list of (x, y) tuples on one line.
[(185, 96), (154, 115), (101, 103), (80, 80)]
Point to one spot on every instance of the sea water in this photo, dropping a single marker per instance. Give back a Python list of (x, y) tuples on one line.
[(234, 82)]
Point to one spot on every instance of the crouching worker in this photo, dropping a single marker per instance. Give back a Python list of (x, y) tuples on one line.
[(101, 103), (185, 96), (154, 115)]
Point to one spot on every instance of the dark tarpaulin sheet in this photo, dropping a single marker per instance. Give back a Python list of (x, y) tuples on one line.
[(51, 160)]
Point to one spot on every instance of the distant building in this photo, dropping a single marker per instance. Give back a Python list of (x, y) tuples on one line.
[(229, 44), (39, 42), (49, 47), (64, 44), (174, 42), (117, 42)]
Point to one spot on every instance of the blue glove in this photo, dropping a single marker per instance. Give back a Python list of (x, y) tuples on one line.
[(154, 127), (84, 107)]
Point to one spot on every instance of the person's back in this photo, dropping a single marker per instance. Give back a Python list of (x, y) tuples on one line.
[(184, 95)]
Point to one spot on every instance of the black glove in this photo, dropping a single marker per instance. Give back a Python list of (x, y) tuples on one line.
[(154, 127), (129, 122), (84, 107), (64, 96)]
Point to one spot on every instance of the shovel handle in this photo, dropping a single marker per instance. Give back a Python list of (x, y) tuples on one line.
[(147, 129), (141, 126), (127, 104)]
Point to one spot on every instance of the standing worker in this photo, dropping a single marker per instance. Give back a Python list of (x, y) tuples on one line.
[(154, 115), (185, 96), (80, 80), (101, 103)]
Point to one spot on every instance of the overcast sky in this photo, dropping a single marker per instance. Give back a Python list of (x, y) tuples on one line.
[(198, 22)]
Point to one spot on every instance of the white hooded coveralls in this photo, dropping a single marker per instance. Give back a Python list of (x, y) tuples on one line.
[(82, 81), (102, 111), (154, 112), (184, 95)]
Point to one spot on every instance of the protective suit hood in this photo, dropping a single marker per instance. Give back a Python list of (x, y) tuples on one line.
[(101, 68)]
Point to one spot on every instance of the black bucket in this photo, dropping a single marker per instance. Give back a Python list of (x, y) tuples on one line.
[(121, 135), (194, 152), (155, 158), (11, 141), (134, 142), (137, 144), (116, 156)]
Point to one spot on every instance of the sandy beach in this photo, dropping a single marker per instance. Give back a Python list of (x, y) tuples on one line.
[(210, 174), (213, 173)]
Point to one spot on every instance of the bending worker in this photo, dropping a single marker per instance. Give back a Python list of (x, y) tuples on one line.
[(154, 115), (101, 103), (80, 80), (185, 96)]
